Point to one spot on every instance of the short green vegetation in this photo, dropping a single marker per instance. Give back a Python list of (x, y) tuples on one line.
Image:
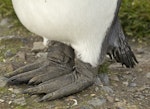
[(103, 68), (6, 8), (135, 17)]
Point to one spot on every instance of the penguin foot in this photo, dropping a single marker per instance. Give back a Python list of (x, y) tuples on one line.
[(57, 76), (80, 78), (60, 61)]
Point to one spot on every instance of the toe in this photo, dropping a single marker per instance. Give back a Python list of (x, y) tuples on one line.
[(67, 90), (25, 77), (52, 73), (51, 85), (26, 68)]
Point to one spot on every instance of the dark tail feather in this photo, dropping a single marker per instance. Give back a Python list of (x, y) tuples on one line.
[(119, 48), (124, 55)]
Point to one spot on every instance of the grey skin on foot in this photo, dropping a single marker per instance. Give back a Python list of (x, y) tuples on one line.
[(60, 61), (58, 76)]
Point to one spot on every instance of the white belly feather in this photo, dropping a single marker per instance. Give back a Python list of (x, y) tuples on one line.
[(81, 23)]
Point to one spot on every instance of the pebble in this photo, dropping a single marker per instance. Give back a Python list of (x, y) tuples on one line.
[(16, 91), (3, 81), (126, 83), (20, 101), (104, 78), (114, 78), (92, 95), (42, 55), (140, 51), (38, 46), (141, 97), (96, 89), (97, 101), (10, 102), (110, 99), (1, 100), (117, 100), (13, 95), (148, 75), (140, 69), (21, 55), (8, 54), (132, 85), (4, 22)]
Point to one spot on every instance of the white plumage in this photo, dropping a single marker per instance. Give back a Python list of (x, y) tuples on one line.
[(80, 23)]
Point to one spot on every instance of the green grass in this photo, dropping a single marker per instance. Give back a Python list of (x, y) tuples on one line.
[(135, 17), (134, 14), (6, 8)]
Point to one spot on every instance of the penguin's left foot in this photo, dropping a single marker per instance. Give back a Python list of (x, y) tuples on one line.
[(58, 76), (80, 78)]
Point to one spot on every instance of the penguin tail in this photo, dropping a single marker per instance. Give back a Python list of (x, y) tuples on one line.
[(124, 55), (119, 48)]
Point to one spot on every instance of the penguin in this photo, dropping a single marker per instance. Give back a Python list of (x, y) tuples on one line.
[(81, 33)]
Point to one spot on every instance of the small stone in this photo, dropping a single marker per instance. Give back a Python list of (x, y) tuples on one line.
[(20, 101), (92, 95), (1, 100), (148, 75), (110, 99), (16, 91), (96, 89), (38, 46), (34, 96), (42, 55), (141, 97), (21, 55), (104, 78), (126, 83), (10, 89), (140, 70), (114, 78), (132, 84), (3, 81), (97, 101), (117, 100), (140, 51), (13, 95), (8, 54), (10, 102), (4, 22)]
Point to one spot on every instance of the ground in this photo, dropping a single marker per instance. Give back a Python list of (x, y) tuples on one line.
[(116, 87)]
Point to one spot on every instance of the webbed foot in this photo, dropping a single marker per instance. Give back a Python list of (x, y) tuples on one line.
[(80, 78), (58, 76)]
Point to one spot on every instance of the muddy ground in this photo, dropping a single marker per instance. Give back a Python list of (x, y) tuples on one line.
[(119, 87)]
